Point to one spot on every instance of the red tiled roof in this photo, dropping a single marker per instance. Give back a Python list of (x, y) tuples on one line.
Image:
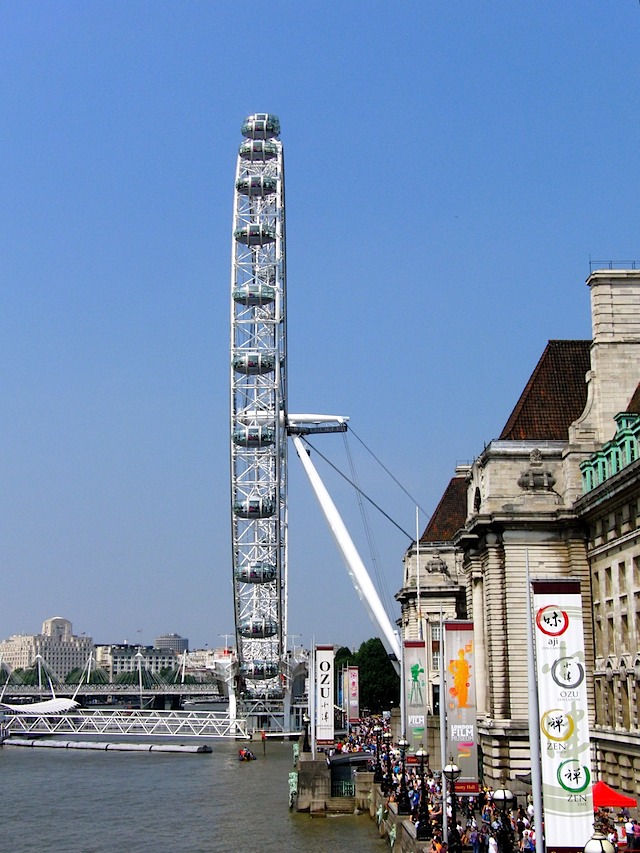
[(450, 514), (554, 396), (634, 403)]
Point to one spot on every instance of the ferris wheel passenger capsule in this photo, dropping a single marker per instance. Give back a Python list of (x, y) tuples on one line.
[(258, 627), (259, 669), (256, 573), (254, 436), (258, 150), (253, 363), (256, 186), (261, 126), (255, 234), (258, 507), (254, 293)]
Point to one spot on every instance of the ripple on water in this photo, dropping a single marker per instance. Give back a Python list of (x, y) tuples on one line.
[(57, 800)]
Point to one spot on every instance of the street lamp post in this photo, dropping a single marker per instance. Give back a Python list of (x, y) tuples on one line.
[(377, 775), (306, 746), (503, 796), (386, 782), (598, 843), (423, 827), (452, 773), (404, 804)]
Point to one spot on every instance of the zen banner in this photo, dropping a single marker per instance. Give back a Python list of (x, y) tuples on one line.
[(353, 694), (564, 721), (415, 692), (460, 697), (324, 695)]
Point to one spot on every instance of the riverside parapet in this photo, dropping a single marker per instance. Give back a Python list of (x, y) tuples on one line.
[(314, 796)]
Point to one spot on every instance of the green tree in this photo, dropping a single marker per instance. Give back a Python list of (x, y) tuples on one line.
[(343, 657), (379, 682), (97, 676)]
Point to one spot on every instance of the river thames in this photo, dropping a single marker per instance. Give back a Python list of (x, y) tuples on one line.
[(130, 802)]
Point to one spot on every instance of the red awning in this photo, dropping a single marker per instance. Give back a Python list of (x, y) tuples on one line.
[(603, 795)]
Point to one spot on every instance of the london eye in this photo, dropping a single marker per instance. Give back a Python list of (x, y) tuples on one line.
[(258, 411), (259, 429)]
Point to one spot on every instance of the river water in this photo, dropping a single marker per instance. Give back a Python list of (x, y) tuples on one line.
[(55, 800)]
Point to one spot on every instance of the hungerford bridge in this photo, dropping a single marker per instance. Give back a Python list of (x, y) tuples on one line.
[(62, 716), (126, 723)]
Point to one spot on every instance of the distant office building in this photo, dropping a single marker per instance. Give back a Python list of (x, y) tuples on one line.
[(116, 659), (172, 641), (60, 650)]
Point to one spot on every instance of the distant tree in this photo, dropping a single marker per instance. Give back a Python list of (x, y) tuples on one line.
[(343, 657), (174, 676), (98, 676), (379, 682), (38, 674), (149, 679)]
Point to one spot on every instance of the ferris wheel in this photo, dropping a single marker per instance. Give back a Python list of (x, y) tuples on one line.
[(258, 409)]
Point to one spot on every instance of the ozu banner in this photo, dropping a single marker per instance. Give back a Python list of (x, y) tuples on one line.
[(324, 695)]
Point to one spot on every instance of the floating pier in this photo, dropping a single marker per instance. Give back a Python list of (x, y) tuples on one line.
[(110, 746)]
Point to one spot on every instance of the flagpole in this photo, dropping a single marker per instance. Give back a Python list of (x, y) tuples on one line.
[(312, 698), (420, 637), (443, 736), (534, 722)]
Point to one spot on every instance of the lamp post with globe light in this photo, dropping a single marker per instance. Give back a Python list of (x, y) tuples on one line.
[(377, 775), (451, 774), (386, 781), (404, 804), (423, 827), (306, 746), (598, 843), (502, 797)]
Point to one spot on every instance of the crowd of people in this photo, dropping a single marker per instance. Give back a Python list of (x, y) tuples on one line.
[(475, 822), (610, 825)]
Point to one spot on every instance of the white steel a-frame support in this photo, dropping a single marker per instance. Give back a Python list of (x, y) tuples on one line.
[(355, 567)]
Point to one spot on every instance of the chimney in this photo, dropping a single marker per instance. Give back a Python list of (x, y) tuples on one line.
[(615, 351)]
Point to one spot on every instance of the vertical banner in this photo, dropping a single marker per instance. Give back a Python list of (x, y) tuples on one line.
[(564, 722), (415, 692), (460, 703), (324, 695), (353, 694)]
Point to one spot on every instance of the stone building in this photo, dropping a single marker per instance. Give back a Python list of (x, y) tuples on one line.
[(172, 641), (57, 646), (523, 503), (117, 659), (435, 592), (610, 506)]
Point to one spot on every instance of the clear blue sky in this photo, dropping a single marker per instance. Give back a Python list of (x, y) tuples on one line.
[(450, 166)]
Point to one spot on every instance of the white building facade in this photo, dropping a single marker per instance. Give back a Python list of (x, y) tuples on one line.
[(57, 646)]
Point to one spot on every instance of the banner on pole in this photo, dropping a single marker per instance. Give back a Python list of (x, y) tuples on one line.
[(460, 703), (564, 722), (353, 694), (415, 692), (324, 695)]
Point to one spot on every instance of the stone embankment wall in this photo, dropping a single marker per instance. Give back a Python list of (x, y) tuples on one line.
[(314, 796), (399, 830)]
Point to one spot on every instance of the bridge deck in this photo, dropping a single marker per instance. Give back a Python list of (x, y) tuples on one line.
[(128, 723)]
